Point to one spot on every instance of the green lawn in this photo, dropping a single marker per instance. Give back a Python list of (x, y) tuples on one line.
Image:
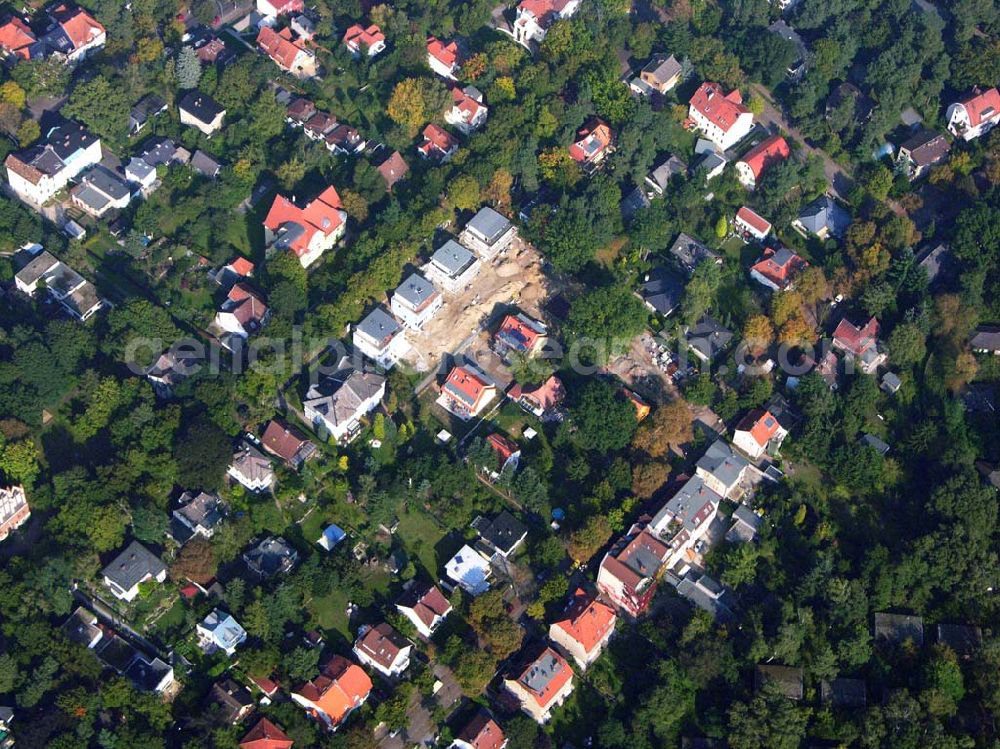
[(331, 612), (420, 535)]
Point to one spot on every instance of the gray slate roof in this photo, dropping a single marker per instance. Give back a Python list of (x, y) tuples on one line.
[(106, 181), (204, 164), (452, 258), (720, 461), (415, 289), (132, 565), (986, 338), (662, 174), (824, 212), (689, 252), (339, 398), (379, 325), (489, 224), (663, 69), (663, 291)]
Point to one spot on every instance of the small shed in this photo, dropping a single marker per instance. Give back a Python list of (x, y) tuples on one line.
[(332, 535)]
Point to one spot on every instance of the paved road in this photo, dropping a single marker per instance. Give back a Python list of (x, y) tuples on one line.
[(839, 180)]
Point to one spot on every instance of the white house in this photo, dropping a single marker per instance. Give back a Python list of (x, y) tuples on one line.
[(271, 9), (415, 301), (540, 680), (685, 519), (251, 468), (132, 567), (100, 190), (336, 405), (585, 628), (452, 267), (470, 570), (381, 647), (758, 432), (722, 118), (975, 116), (74, 33), (380, 338), (141, 173), (201, 111), (749, 223), (425, 606), (219, 631), (288, 51), (372, 39), (534, 18), (77, 295), (488, 233), (308, 231), (243, 313), (467, 113), (442, 58), (39, 172)]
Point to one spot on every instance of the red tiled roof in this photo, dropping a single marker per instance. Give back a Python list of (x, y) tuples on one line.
[(341, 687), (543, 10), (427, 602), (780, 273), (393, 169), (210, 51), (503, 446), (283, 7), (81, 27), (761, 425), (241, 266), (520, 330), (854, 339), (587, 620), (282, 440), (280, 46), (754, 220), (469, 384), (322, 215), (437, 138), (250, 307), (16, 36), (464, 103), (764, 154), (266, 735), (547, 395), (722, 110), (591, 140), (482, 732), (356, 36), (382, 643), (446, 54), (982, 106), (617, 564)]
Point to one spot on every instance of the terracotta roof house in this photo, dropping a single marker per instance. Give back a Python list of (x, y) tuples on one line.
[(760, 158), (442, 58), (467, 113), (299, 112), (75, 33), (357, 38), (251, 468), (749, 223), (918, 153), (466, 392), (593, 143), (586, 629), (243, 313), (759, 432), (778, 269), (379, 337), (424, 605), (273, 8), (630, 570), (540, 680), (534, 17), (201, 111), (336, 405), (975, 116), (319, 125), (482, 732), (393, 170), (415, 301), (38, 172), (266, 735), (287, 443), (381, 647), (519, 334), (133, 566), (308, 231), (340, 689), (213, 50), (659, 75), (344, 140), (287, 51), (438, 143), (822, 218), (14, 509), (539, 400), (859, 344), (17, 39), (720, 117)]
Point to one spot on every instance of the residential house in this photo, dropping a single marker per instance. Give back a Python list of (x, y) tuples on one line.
[(287, 443), (592, 144), (534, 18), (393, 170), (369, 40), (205, 165), (659, 76), (142, 174), (482, 732), (659, 179), (822, 218), (196, 515), (213, 50), (272, 556), (689, 253), (452, 267), (271, 9), (918, 153), (100, 190), (488, 233), (415, 301), (506, 456), (540, 680), (379, 337), (14, 509), (974, 116), (710, 164), (629, 571), (777, 269), (707, 594), (722, 118), (234, 700), (344, 140), (467, 113), (6, 718), (220, 632), (336, 405), (876, 444), (470, 570), (299, 112), (520, 335), (746, 525), (936, 260), (684, 520), (74, 293), (585, 630), (159, 151), (899, 628), (860, 344), (466, 392), (381, 647), (72, 34), (251, 468), (340, 689), (133, 566), (438, 143), (797, 67), (243, 313), (144, 110), (541, 400), (861, 105), (265, 734), (749, 223), (425, 606), (633, 202), (759, 432), (662, 291), (289, 52), (986, 340), (723, 471), (707, 338), (17, 40), (891, 383), (963, 640), (304, 26), (501, 536), (82, 628), (788, 679), (760, 158), (308, 231), (201, 111), (37, 173), (442, 58)]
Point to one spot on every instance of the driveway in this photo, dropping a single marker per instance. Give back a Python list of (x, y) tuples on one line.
[(839, 180)]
